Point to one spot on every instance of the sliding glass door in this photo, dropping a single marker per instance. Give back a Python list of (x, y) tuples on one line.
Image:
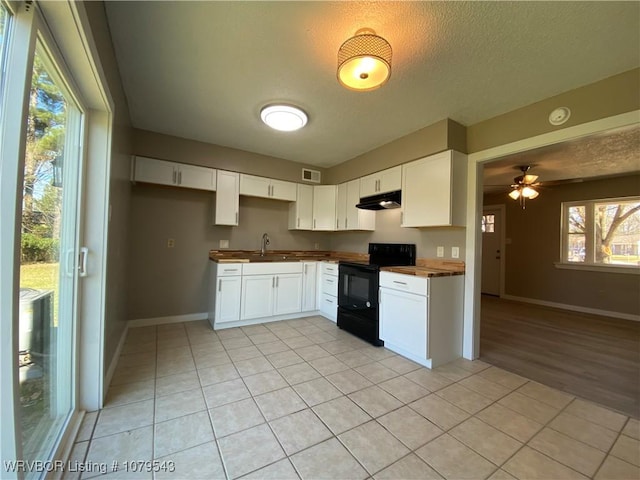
[(50, 259)]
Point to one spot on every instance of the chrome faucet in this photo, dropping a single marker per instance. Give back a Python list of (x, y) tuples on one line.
[(265, 242)]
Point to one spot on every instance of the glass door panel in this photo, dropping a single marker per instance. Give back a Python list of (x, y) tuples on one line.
[(48, 263)]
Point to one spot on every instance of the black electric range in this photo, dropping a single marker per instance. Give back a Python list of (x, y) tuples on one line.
[(358, 288)]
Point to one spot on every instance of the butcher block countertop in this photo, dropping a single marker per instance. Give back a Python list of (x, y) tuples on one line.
[(427, 267), (244, 256)]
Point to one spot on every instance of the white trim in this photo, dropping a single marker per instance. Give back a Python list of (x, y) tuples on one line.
[(114, 361), (471, 328), (425, 362), (609, 268), (275, 318), (147, 322), (65, 446), (574, 308)]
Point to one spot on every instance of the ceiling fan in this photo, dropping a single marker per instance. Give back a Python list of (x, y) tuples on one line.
[(523, 186)]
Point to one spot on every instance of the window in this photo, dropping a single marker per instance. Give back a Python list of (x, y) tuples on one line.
[(601, 232), (4, 28), (488, 223)]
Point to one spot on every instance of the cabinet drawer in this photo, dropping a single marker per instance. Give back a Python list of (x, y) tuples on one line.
[(405, 283), (271, 268), (228, 269), (330, 285), (330, 268), (328, 305)]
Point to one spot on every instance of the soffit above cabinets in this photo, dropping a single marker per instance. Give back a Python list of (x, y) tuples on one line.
[(203, 70)]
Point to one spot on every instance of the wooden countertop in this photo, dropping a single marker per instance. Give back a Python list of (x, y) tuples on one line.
[(421, 271)]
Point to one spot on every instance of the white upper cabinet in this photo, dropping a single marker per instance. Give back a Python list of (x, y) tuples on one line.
[(434, 191), (227, 199), (253, 186), (301, 211), (324, 207), (348, 216), (162, 172), (381, 182)]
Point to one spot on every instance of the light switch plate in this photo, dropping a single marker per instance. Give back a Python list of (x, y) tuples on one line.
[(455, 252), (440, 252), (171, 243), (224, 243)]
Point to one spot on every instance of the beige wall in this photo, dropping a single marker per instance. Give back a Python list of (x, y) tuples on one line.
[(166, 147), (388, 230), (535, 246), (428, 140), (174, 281), (119, 188), (609, 97)]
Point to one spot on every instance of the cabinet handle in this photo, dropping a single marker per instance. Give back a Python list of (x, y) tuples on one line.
[(298, 222), (314, 223), (180, 177), (329, 281), (337, 223), (346, 220), (277, 282), (400, 283), (273, 282), (174, 176), (220, 285), (236, 217), (229, 269), (327, 300), (401, 218), (305, 269)]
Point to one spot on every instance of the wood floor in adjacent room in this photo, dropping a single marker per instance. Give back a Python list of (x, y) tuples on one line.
[(590, 356)]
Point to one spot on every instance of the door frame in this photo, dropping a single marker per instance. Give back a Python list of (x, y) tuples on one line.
[(473, 256), (503, 241)]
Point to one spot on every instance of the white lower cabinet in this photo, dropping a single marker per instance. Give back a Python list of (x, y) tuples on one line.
[(421, 317), (328, 290), (225, 285), (270, 289), (309, 284)]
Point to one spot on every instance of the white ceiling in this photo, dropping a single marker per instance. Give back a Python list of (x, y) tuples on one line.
[(203, 70)]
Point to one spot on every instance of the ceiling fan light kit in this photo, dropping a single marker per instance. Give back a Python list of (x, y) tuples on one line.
[(523, 187), (364, 61)]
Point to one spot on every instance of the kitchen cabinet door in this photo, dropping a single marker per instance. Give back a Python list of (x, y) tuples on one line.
[(150, 170), (341, 206), (257, 296), (201, 178), (387, 180), (227, 198), (434, 191), (404, 321), (281, 190), (309, 287), (253, 186), (288, 294), (324, 207), (301, 211), (356, 218), (228, 299)]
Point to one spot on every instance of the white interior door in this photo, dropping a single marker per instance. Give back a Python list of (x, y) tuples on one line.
[(492, 254)]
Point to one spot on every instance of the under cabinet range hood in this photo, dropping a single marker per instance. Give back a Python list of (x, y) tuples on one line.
[(381, 201)]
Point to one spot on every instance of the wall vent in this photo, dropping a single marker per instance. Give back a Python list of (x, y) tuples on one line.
[(309, 175)]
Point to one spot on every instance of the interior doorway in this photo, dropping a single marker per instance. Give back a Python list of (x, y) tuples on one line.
[(492, 250)]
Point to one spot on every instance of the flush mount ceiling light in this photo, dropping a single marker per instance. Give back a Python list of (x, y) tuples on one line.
[(523, 187), (285, 118), (364, 61)]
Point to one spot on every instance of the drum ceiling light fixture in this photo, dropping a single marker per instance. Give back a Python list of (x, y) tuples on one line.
[(364, 61)]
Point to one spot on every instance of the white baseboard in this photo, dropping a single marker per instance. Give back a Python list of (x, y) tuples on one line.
[(256, 321), (147, 322), (574, 308), (114, 362)]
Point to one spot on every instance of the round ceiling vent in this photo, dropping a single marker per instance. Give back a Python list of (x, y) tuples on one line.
[(559, 116)]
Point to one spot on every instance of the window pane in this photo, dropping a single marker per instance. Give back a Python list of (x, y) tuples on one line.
[(577, 219), (47, 278), (4, 23), (576, 238), (617, 232), (488, 223)]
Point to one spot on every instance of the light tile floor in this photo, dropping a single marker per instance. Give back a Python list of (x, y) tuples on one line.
[(302, 399)]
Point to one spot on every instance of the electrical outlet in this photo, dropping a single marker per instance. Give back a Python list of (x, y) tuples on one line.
[(224, 243), (455, 252), (171, 243), (316, 246), (440, 252)]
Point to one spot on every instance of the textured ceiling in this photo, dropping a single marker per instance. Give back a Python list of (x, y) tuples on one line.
[(203, 70), (616, 152)]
